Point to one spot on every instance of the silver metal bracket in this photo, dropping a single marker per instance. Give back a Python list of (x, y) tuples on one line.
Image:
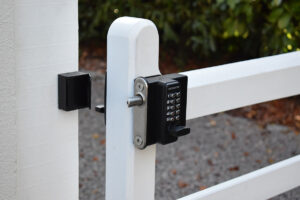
[(139, 104)]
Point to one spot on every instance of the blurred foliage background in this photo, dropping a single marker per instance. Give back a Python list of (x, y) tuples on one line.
[(206, 30)]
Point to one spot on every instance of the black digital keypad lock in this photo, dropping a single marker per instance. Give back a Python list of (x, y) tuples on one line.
[(165, 108), (159, 109)]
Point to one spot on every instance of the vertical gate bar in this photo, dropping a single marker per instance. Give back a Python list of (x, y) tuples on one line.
[(132, 51)]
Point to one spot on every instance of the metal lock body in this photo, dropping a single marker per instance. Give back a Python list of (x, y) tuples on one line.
[(160, 114)]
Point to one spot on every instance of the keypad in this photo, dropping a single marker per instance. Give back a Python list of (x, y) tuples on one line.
[(173, 106)]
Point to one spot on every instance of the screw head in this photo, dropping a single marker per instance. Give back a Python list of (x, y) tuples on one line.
[(138, 140), (139, 87)]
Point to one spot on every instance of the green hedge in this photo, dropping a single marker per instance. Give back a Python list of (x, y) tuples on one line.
[(208, 29)]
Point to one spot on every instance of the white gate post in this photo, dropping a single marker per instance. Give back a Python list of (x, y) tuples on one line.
[(132, 51), (38, 142), (8, 142)]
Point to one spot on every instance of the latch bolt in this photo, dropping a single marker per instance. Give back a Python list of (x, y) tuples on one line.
[(135, 101)]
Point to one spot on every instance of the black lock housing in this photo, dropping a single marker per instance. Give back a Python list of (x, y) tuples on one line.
[(74, 90), (166, 113), (164, 107)]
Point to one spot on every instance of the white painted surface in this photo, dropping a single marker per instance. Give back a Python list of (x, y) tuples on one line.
[(8, 136), (132, 52), (259, 185), (44, 41), (216, 89)]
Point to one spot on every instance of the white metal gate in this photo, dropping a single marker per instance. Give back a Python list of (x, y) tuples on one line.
[(39, 143), (133, 51)]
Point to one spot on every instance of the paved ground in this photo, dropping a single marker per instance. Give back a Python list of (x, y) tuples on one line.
[(220, 147)]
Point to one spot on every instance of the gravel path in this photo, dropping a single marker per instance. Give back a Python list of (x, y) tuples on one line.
[(220, 147)]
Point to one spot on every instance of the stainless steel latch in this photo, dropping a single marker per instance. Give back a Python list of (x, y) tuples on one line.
[(140, 111)]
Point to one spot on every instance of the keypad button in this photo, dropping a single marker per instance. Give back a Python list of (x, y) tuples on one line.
[(178, 100), (172, 95), (177, 106), (177, 112), (170, 119), (171, 108), (170, 101), (177, 117), (171, 113), (177, 94)]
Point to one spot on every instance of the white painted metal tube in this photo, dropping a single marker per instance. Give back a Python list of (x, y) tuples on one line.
[(132, 51), (216, 89), (39, 39), (259, 185)]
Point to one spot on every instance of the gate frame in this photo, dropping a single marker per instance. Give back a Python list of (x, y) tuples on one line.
[(132, 51)]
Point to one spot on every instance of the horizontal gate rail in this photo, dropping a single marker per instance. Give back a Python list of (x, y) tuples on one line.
[(259, 185), (216, 89)]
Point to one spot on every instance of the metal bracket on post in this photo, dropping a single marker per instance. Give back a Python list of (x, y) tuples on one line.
[(140, 112)]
